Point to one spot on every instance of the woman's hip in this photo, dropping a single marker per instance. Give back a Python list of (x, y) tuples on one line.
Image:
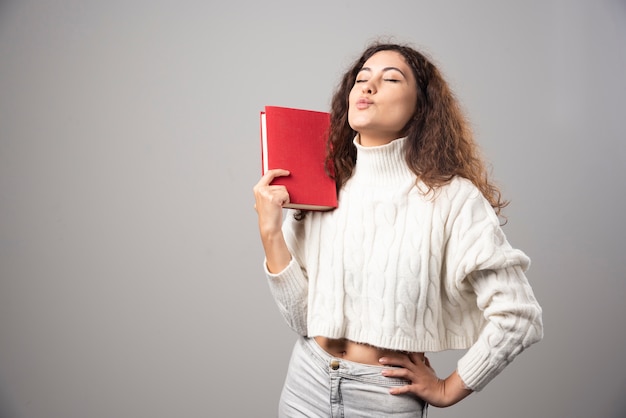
[(319, 385)]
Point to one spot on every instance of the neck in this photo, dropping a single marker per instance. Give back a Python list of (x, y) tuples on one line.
[(369, 140)]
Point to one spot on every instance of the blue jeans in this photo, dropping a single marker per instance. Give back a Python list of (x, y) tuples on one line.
[(320, 385)]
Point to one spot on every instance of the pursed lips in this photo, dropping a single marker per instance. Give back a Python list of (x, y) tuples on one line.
[(363, 103)]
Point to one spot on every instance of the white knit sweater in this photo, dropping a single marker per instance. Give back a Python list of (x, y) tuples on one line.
[(394, 268)]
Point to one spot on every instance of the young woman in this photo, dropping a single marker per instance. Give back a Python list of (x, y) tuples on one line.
[(412, 261)]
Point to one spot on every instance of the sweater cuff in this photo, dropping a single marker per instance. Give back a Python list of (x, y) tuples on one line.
[(288, 284), (476, 369)]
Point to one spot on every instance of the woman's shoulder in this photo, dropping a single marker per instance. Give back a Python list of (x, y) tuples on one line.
[(459, 189), (460, 198)]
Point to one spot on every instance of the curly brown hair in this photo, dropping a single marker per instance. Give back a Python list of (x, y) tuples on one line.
[(440, 142)]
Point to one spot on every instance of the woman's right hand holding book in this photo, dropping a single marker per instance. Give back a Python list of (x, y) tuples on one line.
[(269, 202)]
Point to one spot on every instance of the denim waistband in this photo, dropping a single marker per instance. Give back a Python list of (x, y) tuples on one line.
[(346, 368)]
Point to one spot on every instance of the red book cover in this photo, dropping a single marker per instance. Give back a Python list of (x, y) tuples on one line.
[(295, 140)]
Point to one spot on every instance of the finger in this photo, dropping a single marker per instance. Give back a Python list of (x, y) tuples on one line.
[(277, 194), (401, 360), (284, 199), (267, 179), (272, 197), (417, 358), (276, 188), (400, 390), (270, 175), (399, 373), (269, 192)]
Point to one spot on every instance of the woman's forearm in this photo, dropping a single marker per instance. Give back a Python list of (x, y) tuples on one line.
[(277, 254), (269, 201)]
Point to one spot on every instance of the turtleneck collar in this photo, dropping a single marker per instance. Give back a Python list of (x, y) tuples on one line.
[(382, 165)]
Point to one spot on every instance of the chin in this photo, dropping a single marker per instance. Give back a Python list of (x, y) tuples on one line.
[(359, 125)]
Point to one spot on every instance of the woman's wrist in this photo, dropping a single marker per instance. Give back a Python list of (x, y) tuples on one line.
[(454, 389), (277, 255)]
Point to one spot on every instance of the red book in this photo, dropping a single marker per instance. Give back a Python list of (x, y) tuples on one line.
[(295, 140)]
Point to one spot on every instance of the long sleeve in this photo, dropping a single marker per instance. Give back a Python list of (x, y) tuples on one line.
[(290, 290), (290, 286), (494, 271), (513, 324)]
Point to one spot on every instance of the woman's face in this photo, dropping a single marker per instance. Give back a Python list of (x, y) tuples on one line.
[(383, 98)]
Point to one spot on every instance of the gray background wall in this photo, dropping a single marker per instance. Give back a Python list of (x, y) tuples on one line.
[(130, 266)]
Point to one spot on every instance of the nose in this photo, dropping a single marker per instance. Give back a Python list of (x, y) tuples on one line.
[(368, 88)]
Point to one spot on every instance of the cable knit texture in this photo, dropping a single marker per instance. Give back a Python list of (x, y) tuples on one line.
[(396, 268)]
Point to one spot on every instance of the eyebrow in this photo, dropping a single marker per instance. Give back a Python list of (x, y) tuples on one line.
[(384, 70)]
